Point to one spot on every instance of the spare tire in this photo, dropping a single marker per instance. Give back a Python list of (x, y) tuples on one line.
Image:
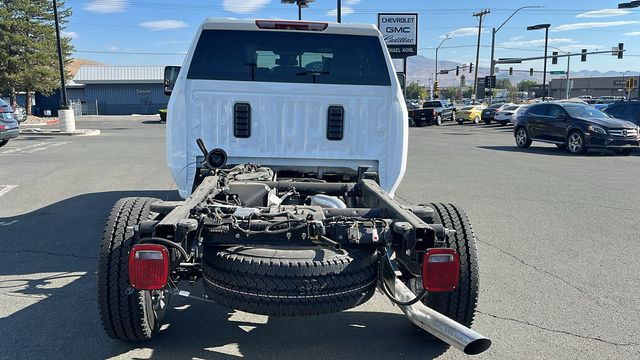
[(289, 281)]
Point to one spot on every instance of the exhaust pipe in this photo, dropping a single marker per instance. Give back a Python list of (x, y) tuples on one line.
[(440, 326)]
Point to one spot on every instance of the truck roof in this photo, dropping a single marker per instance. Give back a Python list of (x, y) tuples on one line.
[(213, 23)]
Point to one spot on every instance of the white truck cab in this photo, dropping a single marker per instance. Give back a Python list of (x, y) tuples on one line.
[(306, 97)]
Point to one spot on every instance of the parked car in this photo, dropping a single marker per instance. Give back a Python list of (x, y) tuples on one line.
[(609, 99), (506, 114), (576, 127), (627, 110), (20, 114), (489, 113), (5, 107), (436, 111), (8, 127), (587, 98), (470, 113)]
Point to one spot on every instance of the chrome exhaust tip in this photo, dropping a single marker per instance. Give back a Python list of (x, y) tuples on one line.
[(451, 332)]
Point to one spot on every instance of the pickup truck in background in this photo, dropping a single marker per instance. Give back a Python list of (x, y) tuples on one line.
[(434, 112)]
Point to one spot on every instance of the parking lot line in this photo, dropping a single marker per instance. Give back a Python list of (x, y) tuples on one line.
[(33, 148), (6, 188)]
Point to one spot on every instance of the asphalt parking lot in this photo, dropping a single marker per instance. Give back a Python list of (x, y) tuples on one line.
[(557, 237)]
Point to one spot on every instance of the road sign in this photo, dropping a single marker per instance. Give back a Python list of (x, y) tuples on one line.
[(400, 32), (559, 72)]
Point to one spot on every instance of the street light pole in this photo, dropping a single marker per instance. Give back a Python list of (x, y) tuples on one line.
[(447, 37), (63, 87), (339, 11), (480, 15), (568, 89), (546, 46), (493, 42)]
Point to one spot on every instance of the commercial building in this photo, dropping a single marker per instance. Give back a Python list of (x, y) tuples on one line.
[(593, 86), (117, 90)]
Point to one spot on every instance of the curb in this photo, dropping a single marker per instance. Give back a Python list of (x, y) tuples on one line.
[(78, 132)]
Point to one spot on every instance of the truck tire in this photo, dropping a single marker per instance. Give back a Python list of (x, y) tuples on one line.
[(280, 281), (438, 120), (127, 314), (460, 304)]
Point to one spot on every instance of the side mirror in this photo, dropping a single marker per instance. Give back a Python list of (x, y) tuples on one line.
[(170, 77)]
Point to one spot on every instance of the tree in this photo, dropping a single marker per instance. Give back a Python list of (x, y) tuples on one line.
[(524, 85), (504, 84), (415, 91), (28, 51)]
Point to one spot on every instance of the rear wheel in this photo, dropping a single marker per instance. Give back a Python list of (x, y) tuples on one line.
[(3, 142), (460, 304), (522, 138), (576, 143), (486, 121), (126, 313), (438, 120), (282, 281)]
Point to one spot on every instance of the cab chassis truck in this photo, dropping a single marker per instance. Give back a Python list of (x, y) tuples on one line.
[(278, 239)]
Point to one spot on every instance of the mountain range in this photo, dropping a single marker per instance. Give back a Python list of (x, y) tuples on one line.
[(420, 68)]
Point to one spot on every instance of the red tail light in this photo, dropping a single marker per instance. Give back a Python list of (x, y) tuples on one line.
[(291, 25), (148, 267), (2, 127), (433, 112), (440, 269)]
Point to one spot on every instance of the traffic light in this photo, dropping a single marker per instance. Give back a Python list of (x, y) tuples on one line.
[(510, 71), (470, 68), (436, 92), (631, 83), (487, 82), (457, 70), (583, 57), (554, 59), (620, 50), (531, 72)]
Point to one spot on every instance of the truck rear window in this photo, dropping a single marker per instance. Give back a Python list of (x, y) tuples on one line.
[(293, 57)]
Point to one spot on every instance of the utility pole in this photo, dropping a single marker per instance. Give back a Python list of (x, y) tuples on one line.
[(339, 11), (480, 15)]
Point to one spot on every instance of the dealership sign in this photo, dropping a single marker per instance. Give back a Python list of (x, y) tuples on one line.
[(400, 32)]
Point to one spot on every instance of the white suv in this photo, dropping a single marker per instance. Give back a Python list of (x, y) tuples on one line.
[(298, 96)]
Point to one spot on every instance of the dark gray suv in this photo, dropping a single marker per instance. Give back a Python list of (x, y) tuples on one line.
[(575, 127)]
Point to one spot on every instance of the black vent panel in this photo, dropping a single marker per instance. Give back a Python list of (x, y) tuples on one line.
[(242, 120), (335, 123)]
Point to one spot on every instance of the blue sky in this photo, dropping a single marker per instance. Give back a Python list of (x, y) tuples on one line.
[(115, 32)]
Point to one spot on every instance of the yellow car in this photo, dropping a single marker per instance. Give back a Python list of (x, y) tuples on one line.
[(470, 113)]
